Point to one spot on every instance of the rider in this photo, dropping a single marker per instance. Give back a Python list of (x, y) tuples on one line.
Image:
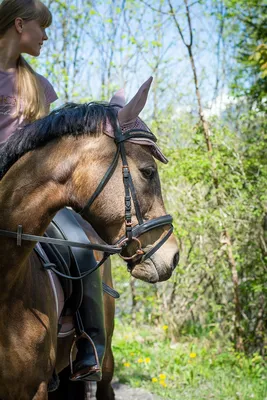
[(24, 97)]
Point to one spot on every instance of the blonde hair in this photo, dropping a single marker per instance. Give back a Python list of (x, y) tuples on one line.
[(29, 89)]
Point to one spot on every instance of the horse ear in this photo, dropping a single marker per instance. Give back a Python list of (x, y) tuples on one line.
[(118, 98), (131, 111)]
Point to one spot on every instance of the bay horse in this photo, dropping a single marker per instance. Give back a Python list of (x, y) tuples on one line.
[(76, 153)]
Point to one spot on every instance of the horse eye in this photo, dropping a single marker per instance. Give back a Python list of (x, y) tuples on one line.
[(148, 172)]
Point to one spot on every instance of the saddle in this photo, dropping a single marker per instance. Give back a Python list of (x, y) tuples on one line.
[(68, 261)]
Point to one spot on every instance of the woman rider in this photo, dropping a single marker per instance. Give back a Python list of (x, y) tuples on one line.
[(24, 97)]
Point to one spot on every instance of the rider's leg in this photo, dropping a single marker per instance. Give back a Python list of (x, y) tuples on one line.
[(91, 310), (92, 317)]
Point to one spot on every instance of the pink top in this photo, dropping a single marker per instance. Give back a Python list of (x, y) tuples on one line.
[(8, 99)]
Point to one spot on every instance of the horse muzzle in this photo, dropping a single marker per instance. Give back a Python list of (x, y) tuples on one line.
[(159, 266)]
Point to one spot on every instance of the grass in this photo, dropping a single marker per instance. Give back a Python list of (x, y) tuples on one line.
[(192, 369)]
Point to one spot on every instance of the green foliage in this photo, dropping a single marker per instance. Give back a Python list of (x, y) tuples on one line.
[(250, 44), (191, 368), (201, 292)]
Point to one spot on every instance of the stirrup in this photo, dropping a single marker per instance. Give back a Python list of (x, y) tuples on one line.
[(92, 373)]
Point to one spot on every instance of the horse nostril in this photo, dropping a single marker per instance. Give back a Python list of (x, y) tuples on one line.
[(175, 260)]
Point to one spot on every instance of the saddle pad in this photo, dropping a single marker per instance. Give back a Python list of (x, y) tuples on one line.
[(65, 322)]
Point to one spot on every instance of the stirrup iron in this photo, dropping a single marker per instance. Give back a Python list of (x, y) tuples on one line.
[(95, 371)]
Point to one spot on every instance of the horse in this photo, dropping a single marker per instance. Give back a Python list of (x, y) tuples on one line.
[(91, 151)]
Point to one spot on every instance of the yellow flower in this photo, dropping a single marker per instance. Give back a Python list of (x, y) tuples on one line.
[(154, 379), (147, 360), (140, 360), (192, 355), (132, 354), (163, 383), (162, 377), (127, 364), (165, 327)]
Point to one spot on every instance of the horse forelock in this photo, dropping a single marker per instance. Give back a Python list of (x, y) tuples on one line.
[(72, 119)]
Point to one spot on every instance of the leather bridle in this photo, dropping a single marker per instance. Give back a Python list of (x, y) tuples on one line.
[(132, 233)]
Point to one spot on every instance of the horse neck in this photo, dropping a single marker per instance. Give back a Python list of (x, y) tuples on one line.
[(29, 196)]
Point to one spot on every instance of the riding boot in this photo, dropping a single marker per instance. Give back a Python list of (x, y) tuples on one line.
[(90, 322)]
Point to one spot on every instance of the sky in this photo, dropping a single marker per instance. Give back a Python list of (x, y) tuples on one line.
[(134, 50)]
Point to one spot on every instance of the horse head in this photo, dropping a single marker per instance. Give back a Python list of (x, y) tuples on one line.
[(126, 207)]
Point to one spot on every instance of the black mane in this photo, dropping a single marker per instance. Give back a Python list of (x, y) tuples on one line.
[(71, 119)]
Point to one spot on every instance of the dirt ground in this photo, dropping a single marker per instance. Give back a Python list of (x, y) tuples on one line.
[(124, 392)]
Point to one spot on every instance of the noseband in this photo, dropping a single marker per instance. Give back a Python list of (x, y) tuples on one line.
[(132, 233)]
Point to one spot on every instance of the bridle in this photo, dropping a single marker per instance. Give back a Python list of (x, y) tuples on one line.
[(132, 233)]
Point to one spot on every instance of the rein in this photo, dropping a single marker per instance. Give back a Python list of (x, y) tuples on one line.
[(131, 233)]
